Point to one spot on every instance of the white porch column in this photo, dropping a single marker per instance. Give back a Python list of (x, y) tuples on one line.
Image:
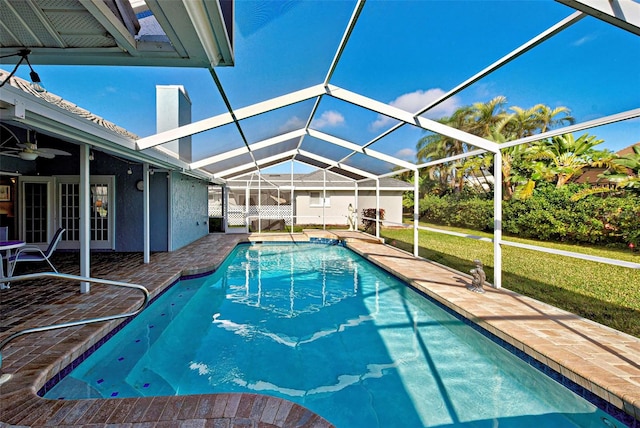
[(259, 202), (497, 219), (377, 207), (324, 197), (225, 208), (293, 200), (247, 195), (145, 212), (416, 212), (85, 218)]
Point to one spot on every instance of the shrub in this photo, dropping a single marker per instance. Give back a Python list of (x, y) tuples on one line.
[(473, 212), (548, 215)]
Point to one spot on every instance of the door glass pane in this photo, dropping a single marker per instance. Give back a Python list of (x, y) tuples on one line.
[(70, 219), (99, 211), (35, 209)]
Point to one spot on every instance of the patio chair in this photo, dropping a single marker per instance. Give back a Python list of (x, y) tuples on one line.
[(35, 254)]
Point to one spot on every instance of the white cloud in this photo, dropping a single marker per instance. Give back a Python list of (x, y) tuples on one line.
[(406, 154), (329, 118), (581, 41), (292, 124), (415, 101)]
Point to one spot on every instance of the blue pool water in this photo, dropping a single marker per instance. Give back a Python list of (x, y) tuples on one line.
[(318, 325)]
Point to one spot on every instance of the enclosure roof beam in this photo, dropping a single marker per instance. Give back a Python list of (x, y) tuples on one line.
[(345, 38), (284, 156), (227, 118), (333, 163), (243, 150), (606, 120), (356, 148), (401, 115), (527, 46), (452, 158)]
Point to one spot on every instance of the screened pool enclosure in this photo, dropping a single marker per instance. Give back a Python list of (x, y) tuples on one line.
[(348, 89)]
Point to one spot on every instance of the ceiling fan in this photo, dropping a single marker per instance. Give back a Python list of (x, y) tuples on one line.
[(27, 150)]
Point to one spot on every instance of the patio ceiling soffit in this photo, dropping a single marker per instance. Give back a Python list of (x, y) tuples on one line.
[(621, 13), (194, 33)]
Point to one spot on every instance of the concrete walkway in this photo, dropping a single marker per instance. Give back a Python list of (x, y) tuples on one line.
[(601, 360)]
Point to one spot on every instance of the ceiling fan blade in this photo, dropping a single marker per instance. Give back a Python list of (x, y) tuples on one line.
[(54, 152), (44, 154)]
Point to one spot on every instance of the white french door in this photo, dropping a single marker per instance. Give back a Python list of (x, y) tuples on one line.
[(43, 210), (102, 211), (37, 220)]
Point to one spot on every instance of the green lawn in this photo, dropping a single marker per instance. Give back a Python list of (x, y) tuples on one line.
[(603, 293)]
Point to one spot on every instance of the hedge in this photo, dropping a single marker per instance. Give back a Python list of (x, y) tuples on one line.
[(548, 215)]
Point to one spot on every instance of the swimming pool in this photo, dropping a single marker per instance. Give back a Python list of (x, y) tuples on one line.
[(318, 325)]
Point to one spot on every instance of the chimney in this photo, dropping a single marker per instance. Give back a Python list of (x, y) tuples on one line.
[(173, 109)]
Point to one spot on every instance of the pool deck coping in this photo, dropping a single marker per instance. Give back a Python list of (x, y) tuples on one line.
[(600, 359)]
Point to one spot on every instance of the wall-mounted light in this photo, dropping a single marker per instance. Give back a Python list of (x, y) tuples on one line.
[(129, 171), (91, 157), (36, 83), (151, 171)]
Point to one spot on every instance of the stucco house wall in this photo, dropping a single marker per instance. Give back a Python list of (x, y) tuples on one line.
[(390, 201), (189, 219), (339, 200), (335, 213)]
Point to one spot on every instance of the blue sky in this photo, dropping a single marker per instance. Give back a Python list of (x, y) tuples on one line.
[(403, 53)]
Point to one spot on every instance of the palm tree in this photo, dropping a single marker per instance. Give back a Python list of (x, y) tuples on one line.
[(624, 171), (546, 117), (487, 115), (566, 156)]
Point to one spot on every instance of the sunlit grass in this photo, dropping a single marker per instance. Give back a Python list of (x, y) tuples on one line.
[(604, 293)]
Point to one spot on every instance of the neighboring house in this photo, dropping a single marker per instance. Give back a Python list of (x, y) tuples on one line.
[(319, 199), (591, 175)]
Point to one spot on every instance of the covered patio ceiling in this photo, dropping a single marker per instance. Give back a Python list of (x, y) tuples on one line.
[(278, 123)]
